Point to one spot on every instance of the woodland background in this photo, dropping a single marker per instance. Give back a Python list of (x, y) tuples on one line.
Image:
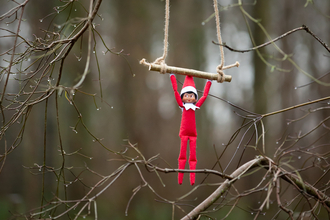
[(121, 102)]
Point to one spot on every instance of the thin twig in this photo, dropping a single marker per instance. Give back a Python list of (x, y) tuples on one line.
[(208, 171), (13, 53), (296, 106), (303, 27)]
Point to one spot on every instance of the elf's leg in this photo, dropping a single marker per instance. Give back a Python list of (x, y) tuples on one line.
[(192, 158), (182, 157)]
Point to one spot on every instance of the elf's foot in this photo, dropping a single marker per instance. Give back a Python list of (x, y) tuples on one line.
[(180, 178), (192, 178)]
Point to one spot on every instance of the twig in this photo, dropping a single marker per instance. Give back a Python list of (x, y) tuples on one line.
[(90, 19), (316, 37), (278, 187), (296, 106), (307, 84), (13, 54), (306, 188), (303, 27), (167, 170), (116, 175)]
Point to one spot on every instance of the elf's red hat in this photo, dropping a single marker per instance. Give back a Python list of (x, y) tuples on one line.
[(189, 86)]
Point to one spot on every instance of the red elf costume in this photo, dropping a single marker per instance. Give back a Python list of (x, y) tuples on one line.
[(188, 122)]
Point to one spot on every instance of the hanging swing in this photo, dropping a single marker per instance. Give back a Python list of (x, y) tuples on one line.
[(160, 65)]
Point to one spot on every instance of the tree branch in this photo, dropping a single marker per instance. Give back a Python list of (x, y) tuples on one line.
[(223, 187), (303, 27), (295, 106), (167, 170), (305, 187), (292, 179)]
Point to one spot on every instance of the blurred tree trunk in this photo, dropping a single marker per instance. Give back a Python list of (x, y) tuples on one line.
[(130, 91), (134, 105), (260, 12), (287, 79)]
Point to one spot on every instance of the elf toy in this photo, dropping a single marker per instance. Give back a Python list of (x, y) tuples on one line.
[(187, 101)]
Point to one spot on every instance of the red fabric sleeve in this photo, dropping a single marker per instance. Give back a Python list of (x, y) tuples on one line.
[(205, 94), (175, 89)]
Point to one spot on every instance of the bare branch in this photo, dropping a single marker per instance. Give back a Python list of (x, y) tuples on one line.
[(293, 179), (304, 27), (223, 188), (207, 171)]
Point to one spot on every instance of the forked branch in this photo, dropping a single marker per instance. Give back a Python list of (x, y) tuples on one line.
[(265, 162)]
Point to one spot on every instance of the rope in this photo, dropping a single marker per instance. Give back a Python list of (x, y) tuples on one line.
[(217, 21), (161, 60), (221, 77)]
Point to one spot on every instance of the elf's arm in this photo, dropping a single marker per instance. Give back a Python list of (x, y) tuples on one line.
[(175, 89), (205, 94)]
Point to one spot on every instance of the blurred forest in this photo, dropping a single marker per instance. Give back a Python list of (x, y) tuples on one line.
[(85, 127)]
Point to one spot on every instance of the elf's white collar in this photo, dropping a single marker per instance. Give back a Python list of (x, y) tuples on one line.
[(188, 106)]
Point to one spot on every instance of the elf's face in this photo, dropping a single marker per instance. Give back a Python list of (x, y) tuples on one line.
[(188, 98)]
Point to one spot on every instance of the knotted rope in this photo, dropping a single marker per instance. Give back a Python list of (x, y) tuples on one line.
[(161, 60), (220, 67), (160, 65), (222, 54), (221, 75)]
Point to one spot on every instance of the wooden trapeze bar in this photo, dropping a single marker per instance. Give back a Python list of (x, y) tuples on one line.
[(185, 71)]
